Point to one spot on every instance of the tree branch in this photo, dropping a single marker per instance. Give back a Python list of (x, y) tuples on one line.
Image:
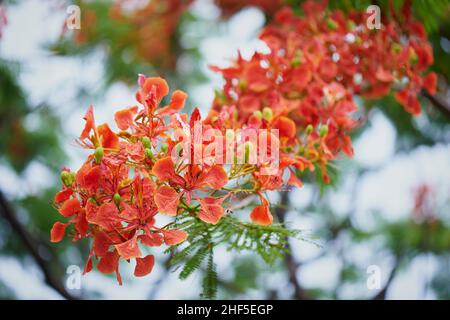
[(291, 265), (437, 102), (32, 245), (382, 294)]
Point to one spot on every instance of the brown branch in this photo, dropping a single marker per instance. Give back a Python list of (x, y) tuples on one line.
[(291, 265), (382, 294), (437, 102), (32, 245)]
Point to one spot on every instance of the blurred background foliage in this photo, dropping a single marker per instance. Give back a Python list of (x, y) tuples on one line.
[(163, 37)]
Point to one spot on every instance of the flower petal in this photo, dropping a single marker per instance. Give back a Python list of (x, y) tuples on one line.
[(70, 207), (129, 249), (124, 118), (144, 265), (167, 199), (57, 232), (174, 236)]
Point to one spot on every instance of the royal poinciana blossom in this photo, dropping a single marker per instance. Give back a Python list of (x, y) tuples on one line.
[(131, 176), (317, 63), (279, 114)]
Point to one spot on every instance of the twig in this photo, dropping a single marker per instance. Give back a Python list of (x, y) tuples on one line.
[(291, 265), (32, 246), (382, 294)]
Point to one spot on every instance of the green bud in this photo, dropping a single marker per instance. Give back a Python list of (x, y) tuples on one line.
[(248, 148), (178, 148), (148, 153), (396, 48), (220, 96), (413, 58), (117, 199), (267, 114), (323, 131), (309, 129), (146, 142), (98, 154), (332, 24), (68, 178), (164, 147), (257, 114)]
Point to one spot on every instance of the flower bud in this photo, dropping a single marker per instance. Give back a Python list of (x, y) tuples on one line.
[(68, 178), (332, 24), (413, 58), (267, 114), (323, 131), (309, 129), (164, 147), (148, 153), (146, 142), (248, 148), (117, 199), (98, 154), (257, 114)]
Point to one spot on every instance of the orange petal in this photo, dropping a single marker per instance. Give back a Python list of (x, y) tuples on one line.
[(57, 232), (160, 86), (107, 216), (286, 127), (70, 207), (108, 263), (173, 236), (129, 249), (430, 82), (167, 199), (101, 244), (144, 265), (164, 169), (261, 215), (124, 118), (109, 139), (63, 195), (90, 123), (211, 210), (155, 240), (216, 177), (176, 103)]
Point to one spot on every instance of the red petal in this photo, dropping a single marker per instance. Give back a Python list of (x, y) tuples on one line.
[(294, 180), (129, 249), (286, 126), (101, 244), (155, 240), (160, 85), (211, 210), (164, 169), (70, 207), (383, 75), (124, 118), (57, 232), (216, 177), (261, 215), (107, 216), (63, 195), (144, 265), (167, 199), (174, 236), (108, 263), (81, 224), (109, 139), (176, 103), (430, 82), (90, 123)]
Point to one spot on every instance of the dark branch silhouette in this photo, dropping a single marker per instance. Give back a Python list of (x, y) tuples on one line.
[(32, 245)]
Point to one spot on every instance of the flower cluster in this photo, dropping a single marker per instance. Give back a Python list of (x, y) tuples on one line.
[(141, 171), (279, 114), (317, 63)]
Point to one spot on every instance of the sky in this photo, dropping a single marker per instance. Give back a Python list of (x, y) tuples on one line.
[(387, 189)]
